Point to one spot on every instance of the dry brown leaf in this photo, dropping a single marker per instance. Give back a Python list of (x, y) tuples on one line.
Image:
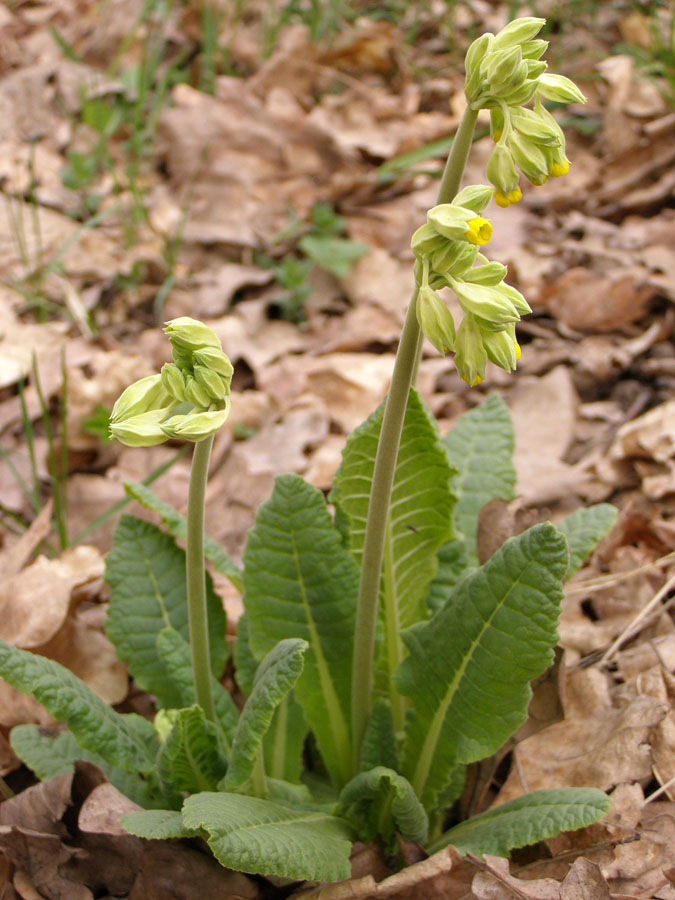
[(11, 562), (597, 744), (35, 602), (443, 876), (586, 301), (544, 412), (495, 882), (584, 881)]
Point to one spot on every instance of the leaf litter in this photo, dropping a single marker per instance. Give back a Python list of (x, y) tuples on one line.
[(232, 175)]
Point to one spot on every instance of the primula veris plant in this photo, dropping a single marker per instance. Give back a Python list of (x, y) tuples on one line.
[(372, 630)]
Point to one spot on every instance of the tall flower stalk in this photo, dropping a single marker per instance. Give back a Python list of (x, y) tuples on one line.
[(503, 73), (405, 370)]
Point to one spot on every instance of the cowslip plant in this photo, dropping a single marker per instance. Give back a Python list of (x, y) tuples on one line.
[(377, 657)]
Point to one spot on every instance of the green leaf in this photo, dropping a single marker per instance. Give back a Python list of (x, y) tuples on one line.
[(284, 741), (334, 254), (51, 754), (276, 676), (157, 824), (261, 837), (300, 582), (177, 526), (381, 799), (453, 561), (378, 747), (526, 820), (419, 520), (480, 445), (583, 529), (174, 652), (127, 740), (190, 759), (146, 573), (245, 663), (469, 668)]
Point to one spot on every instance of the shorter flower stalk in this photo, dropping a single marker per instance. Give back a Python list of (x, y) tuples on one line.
[(189, 399)]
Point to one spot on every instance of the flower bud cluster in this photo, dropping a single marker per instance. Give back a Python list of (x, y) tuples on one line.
[(503, 73), (446, 256), (189, 399)]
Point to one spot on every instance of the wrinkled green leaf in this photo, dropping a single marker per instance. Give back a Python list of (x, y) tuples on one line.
[(453, 561), (127, 741), (469, 668), (245, 663), (51, 754), (480, 444), (276, 676), (174, 652), (146, 573), (177, 526), (583, 529), (419, 520), (526, 820), (378, 747), (300, 582), (190, 759), (157, 824), (380, 801), (258, 836)]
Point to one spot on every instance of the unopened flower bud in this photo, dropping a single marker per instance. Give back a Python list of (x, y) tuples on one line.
[(172, 379), (425, 240), (514, 296), (140, 397), (535, 128), (188, 334), (559, 88), (487, 302), (489, 274), (535, 67), (501, 348), (516, 96), (534, 49), (500, 65), (196, 426), (142, 430), (216, 360), (529, 158), (435, 320), (196, 393), (455, 258), (470, 355), (212, 382), (475, 197), (501, 171), (518, 31)]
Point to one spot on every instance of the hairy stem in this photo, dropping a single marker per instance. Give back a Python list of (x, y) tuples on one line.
[(196, 578), (405, 369)]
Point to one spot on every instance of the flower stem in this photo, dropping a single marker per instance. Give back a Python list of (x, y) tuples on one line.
[(196, 578), (405, 369)]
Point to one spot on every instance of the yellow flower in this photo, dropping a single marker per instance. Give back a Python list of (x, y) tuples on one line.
[(479, 230), (559, 169)]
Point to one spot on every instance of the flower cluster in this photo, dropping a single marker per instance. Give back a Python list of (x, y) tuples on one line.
[(446, 248), (189, 399), (504, 72)]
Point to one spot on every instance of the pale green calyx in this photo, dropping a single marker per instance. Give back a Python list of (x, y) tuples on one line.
[(190, 397), (470, 355), (435, 319)]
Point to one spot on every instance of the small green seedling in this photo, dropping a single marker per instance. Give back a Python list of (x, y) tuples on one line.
[(374, 630)]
